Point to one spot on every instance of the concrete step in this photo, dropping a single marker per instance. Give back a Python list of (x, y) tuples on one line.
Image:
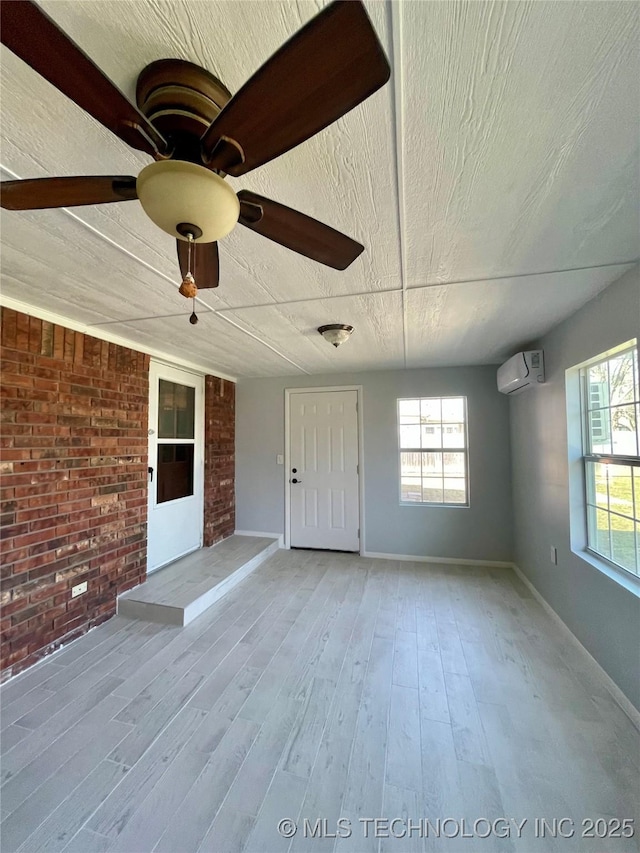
[(181, 591)]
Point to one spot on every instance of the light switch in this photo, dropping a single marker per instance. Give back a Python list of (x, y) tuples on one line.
[(279, 459)]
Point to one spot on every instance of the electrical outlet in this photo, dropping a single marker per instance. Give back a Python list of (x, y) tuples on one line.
[(554, 555), (78, 589)]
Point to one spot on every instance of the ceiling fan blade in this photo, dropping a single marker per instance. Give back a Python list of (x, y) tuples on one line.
[(296, 231), (205, 264), (31, 34), (40, 193), (330, 66)]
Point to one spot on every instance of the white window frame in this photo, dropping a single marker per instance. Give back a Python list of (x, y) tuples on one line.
[(589, 457), (464, 450)]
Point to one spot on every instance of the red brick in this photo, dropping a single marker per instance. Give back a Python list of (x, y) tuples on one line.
[(22, 332), (8, 325), (51, 377), (35, 334), (58, 343), (219, 506), (75, 409)]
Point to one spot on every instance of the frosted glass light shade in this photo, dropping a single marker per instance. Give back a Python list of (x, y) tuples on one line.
[(336, 333), (172, 192)]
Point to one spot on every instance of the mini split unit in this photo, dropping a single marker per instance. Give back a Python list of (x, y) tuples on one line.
[(521, 372)]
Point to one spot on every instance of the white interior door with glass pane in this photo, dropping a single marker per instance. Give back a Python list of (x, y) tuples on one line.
[(323, 478), (176, 464)]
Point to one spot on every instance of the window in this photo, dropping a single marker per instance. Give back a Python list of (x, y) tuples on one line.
[(610, 403), (433, 451), (176, 442)]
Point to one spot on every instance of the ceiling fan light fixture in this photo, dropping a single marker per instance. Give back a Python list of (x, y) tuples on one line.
[(173, 192), (336, 333)]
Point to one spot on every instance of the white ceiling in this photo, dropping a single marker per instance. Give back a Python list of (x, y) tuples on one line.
[(494, 184)]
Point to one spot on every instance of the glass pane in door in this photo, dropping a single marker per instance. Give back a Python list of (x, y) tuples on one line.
[(175, 471), (176, 410), (176, 420)]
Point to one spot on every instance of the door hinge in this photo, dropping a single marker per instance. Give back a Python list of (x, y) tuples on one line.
[(358, 533), (357, 469)]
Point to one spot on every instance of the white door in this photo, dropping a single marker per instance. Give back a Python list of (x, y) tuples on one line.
[(176, 464), (323, 470)]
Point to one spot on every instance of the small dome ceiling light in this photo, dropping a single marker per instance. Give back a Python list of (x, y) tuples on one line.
[(336, 333)]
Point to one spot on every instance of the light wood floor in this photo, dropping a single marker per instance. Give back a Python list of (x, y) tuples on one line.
[(322, 687)]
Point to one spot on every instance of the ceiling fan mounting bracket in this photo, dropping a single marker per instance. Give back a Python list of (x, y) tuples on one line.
[(180, 98), (250, 212), (226, 154)]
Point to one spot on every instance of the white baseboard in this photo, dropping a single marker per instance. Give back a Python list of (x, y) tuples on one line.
[(278, 536), (447, 560), (628, 707)]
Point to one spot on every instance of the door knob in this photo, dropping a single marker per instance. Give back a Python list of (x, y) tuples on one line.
[(296, 481)]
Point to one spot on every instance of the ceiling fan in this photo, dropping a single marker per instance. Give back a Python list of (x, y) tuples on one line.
[(197, 132)]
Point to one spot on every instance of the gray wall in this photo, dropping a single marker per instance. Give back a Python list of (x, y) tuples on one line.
[(602, 614), (482, 531)]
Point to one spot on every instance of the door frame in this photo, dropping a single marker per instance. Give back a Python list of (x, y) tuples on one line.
[(288, 393), (156, 366)]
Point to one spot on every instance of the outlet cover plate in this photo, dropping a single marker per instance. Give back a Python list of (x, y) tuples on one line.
[(78, 589)]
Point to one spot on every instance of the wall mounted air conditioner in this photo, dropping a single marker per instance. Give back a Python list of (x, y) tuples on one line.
[(521, 371)]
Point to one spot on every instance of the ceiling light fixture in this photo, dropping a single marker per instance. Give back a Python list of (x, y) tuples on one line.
[(336, 333), (175, 193)]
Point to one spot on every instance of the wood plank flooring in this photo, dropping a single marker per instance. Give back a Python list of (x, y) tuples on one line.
[(329, 689)]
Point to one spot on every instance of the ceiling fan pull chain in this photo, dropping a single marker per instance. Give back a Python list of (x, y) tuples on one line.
[(188, 287), (193, 319)]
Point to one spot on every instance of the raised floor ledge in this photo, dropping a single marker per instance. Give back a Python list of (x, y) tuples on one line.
[(181, 591)]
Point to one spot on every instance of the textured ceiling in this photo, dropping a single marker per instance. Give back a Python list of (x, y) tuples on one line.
[(493, 182)]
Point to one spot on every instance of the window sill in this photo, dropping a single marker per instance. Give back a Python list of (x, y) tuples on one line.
[(620, 576), (434, 505)]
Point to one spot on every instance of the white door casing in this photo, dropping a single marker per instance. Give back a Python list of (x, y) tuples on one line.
[(175, 525), (323, 506)]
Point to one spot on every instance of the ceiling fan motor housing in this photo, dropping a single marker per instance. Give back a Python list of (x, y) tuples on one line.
[(181, 100)]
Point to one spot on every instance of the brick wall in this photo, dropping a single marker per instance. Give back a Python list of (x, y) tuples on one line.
[(219, 466), (73, 498)]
